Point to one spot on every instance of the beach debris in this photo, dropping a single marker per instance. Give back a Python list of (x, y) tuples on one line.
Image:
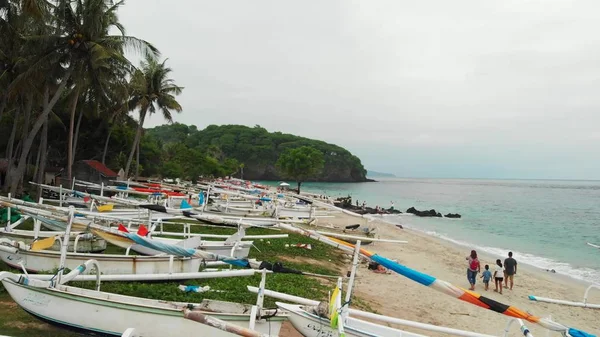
[(193, 289), (306, 246), (593, 245), (377, 268)]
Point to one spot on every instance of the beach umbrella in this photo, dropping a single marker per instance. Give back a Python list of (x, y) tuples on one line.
[(284, 184)]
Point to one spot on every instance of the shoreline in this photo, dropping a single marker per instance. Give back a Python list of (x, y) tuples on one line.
[(483, 250), (492, 257), (397, 296)]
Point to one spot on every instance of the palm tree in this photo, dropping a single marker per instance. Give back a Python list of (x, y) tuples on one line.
[(67, 48), (96, 55), (117, 112), (152, 90)]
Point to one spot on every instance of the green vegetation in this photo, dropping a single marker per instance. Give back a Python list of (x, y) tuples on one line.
[(300, 164), (257, 150), (151, 90), (321, 259), (65, 83)]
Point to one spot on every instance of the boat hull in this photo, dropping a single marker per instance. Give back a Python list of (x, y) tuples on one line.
[(84, 245), (35, 262), (309, 324), (215, 247), (111, 318)]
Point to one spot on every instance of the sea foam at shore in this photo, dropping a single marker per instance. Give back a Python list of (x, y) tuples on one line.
[(543, 263)]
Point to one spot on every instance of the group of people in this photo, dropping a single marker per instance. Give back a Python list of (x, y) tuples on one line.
[(502, 272)]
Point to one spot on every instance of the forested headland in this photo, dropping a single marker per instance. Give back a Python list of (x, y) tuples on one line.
[(253, 150)]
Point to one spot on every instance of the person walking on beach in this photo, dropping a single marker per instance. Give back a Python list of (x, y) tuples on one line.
[(498, 276), (510, 269), (473, 269), (486, 276)]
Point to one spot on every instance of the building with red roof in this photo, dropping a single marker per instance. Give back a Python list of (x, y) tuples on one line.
[(93, 171)]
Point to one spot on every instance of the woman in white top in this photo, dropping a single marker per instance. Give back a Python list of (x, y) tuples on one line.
[(498, 276)]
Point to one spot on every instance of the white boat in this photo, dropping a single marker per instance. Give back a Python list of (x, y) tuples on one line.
[(45, 260), (105, 313), (234, 211), (238, 250), (300, 213), (78, 242), (310, 324)]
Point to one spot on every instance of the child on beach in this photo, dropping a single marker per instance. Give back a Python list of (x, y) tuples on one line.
[(486, 276), (498, 276)]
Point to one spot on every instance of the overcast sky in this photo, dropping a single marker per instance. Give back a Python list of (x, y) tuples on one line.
[(427, 88)]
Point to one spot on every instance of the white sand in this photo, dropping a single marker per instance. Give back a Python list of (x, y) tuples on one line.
[(397, 296)]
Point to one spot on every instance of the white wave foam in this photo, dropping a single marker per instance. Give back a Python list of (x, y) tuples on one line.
[(563, 268)]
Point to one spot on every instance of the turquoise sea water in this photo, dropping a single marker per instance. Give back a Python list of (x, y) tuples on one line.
[(546, 223)]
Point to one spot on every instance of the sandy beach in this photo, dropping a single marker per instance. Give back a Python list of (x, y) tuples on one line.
[(397, 296)]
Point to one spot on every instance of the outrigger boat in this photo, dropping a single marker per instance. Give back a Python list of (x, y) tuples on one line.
[(78, 241), (18, 255), (111, 314)]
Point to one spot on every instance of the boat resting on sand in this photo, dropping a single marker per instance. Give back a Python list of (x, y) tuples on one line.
[(350, 233), (78, 242), (309, 323), (110, 314), (239, 249), (13, 254)]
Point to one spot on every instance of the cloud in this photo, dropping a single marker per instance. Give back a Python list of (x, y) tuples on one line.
[(489, 88)]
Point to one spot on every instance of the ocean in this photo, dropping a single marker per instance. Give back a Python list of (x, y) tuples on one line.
[(545, 223)]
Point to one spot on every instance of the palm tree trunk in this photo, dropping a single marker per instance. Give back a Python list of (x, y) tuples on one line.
[(76, 136), (138, 135), (3, 104), (27, 110), (106, 144), (9, 150), (42, 163), (37, 160), (36, 127), (71, 129), (137, 161), (299, 183)]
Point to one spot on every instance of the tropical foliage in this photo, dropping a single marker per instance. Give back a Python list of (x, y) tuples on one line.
[(61, 68), (300, 163), (258, 150)]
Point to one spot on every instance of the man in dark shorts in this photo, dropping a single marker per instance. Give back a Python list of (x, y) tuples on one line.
[(510, 269)]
